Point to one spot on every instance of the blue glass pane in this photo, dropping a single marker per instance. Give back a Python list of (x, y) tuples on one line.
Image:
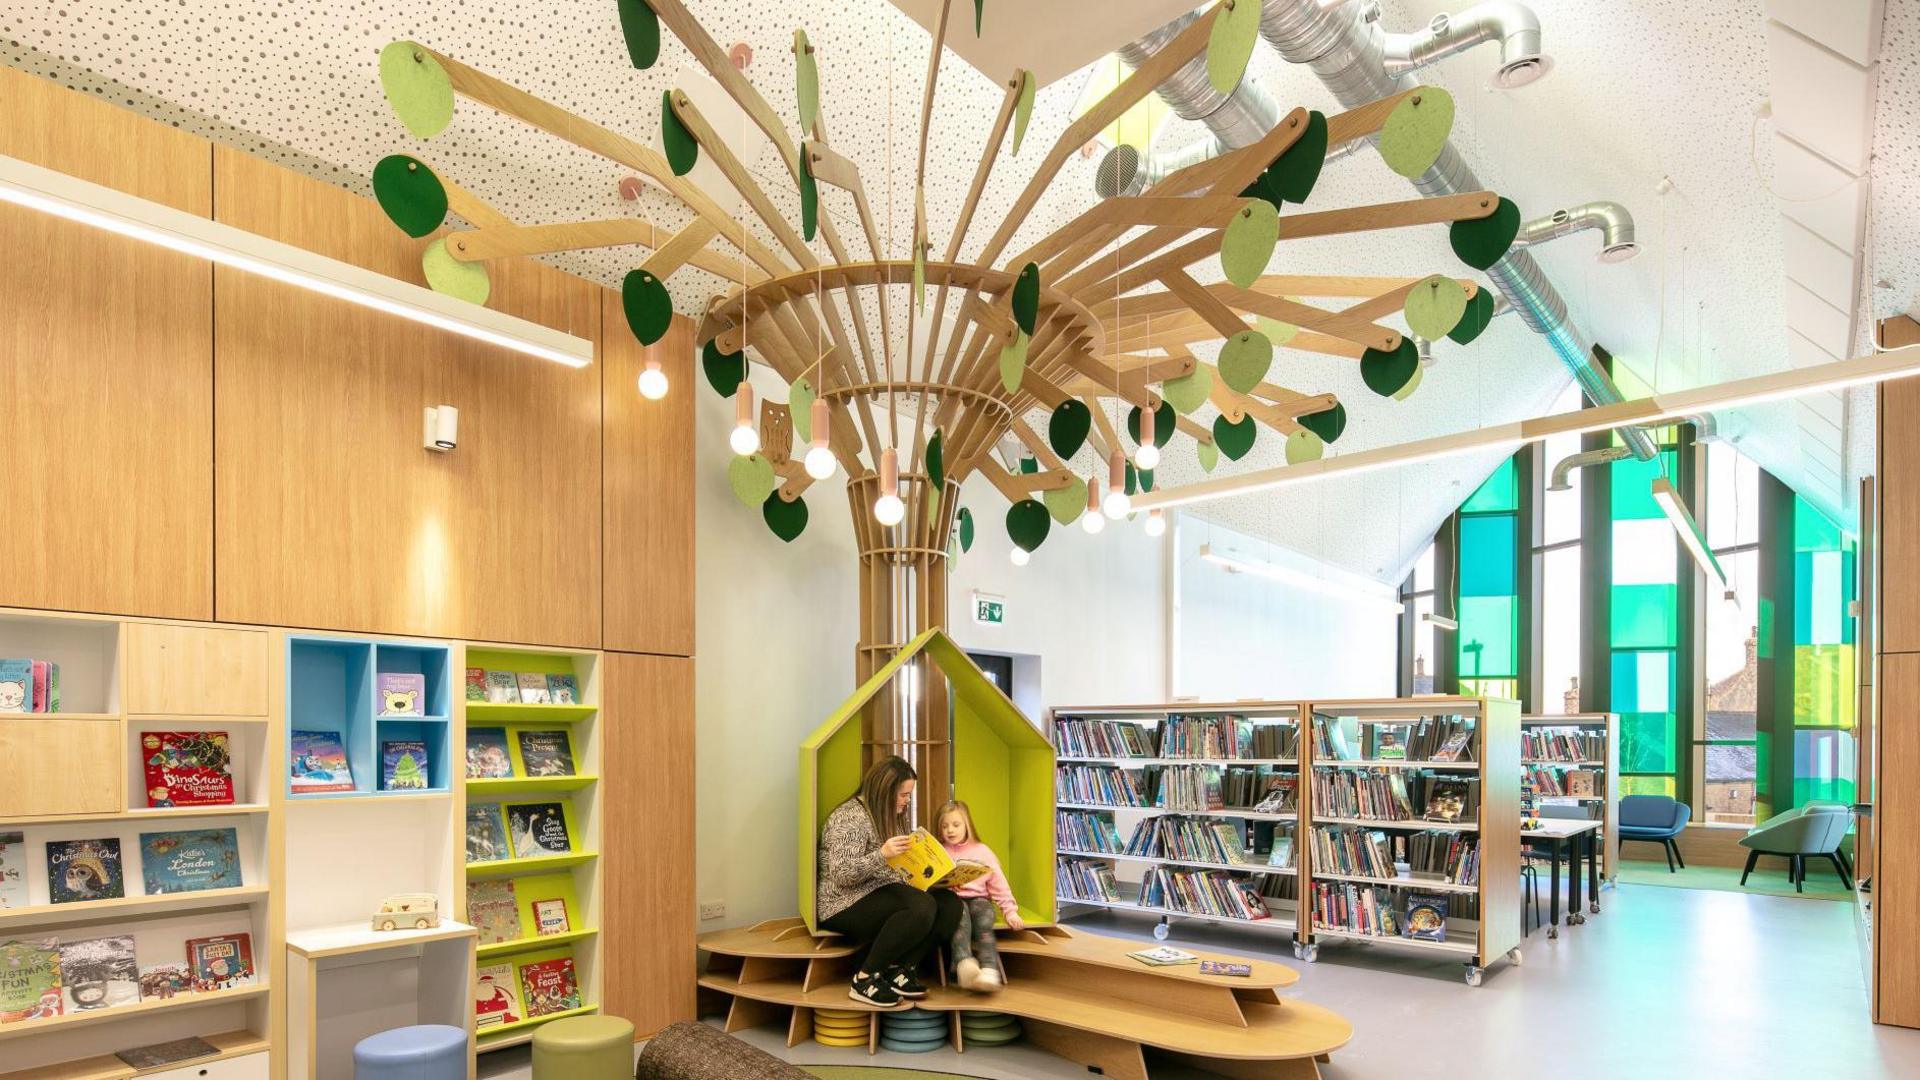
[(1487, 554), (1488, 630)]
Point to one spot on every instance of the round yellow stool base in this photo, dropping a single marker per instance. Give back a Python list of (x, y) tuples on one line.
[(583, 1048)]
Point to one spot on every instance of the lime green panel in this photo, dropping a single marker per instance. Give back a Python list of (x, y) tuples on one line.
[(513, 660), (1647, 785), (1823, 686)]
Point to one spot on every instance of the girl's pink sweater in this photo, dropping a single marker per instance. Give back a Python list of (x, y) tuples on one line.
[(994, 886)]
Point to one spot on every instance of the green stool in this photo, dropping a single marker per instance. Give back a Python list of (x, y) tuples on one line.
[(584, 1048)]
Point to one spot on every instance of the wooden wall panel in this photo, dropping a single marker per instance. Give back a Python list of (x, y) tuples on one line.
[(648, 940), (1900, 507), (106, 377), (1896, 882), (649, 489), (328, 512)]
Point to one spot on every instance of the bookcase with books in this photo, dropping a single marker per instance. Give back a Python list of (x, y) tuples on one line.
[(1570, 763), (1413, 826), (1181, 811), (530, 777)]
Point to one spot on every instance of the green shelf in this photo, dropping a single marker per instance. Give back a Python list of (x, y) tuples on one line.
[(534, 864), (487, 1034), (518, 713), (527, 785), (504, 948)]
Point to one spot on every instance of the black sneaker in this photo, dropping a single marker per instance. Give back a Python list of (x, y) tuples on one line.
[(903, 983), (872, 990)]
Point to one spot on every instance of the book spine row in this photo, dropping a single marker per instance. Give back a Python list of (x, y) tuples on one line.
[(1551, 780), (1563, 744), (1346, 849), (1101, 738), (1248, 787), (1206, 737), (1379, 795), (1077, 879), (1103, 784), (29, 686), (1449, 855), (1357, 909), (1190, 839), (1189, 787), (1083, 830), (1214, 893)]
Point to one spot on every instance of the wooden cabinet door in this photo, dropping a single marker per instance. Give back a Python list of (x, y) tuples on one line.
[(649, 499), (196, 670), (61, 767)]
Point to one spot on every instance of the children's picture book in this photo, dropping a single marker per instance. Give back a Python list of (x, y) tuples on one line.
[(476, 684), (46, 686), (538, 829), (549, 986), (1388, 747), (402, 694), (191, 1048), (82, 870), (1579, 782), (403, 765), (502, 687), (174, 862), (550, 917), (318, 762), (29, 979), (533, 689), (496, 997), (1426, 917), (220, 962), (187, 768), (161, 981), (926, 865), (546, 753), (1164, 956), (493, 908), (1222, 967), (1281, 853), (16, 686), (13, 870), (1455, 747), (563, 690), (486, 833), (487, 757), (99, 973)]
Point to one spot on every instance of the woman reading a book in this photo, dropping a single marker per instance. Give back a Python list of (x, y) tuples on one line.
[(861, 896)]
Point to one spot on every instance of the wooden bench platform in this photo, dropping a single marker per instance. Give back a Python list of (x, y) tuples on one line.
[(1080, 997)]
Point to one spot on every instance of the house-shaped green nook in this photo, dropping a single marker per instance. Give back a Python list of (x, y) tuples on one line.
[(1002, 769)]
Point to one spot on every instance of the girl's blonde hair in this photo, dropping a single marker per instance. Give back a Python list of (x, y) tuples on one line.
[(955, 806)]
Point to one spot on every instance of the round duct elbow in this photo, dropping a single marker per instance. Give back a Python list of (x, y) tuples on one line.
[(1119, 173)]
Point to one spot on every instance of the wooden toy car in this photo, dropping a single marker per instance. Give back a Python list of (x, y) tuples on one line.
[(418, 911)]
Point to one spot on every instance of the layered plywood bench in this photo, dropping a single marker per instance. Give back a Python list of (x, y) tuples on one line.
[(1080, 997)]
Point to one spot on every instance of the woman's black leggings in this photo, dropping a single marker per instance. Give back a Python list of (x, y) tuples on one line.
[(900, 923)]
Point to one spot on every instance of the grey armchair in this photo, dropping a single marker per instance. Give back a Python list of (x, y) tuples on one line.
[(1815, 830), (1655, 819)]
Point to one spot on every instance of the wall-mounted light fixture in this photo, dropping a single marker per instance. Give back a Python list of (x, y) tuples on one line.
[(441, 428)]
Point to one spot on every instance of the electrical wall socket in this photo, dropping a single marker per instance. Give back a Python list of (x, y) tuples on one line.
[(713, 909)]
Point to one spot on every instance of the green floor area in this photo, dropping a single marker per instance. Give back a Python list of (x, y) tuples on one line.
[(1821, 882)]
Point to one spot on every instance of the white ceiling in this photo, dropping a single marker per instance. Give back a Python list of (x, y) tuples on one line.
[(1641, 89)]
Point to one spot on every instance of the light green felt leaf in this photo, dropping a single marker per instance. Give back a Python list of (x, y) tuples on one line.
[(1435, 306), (1208, 453), (787, 519), (806, 80), (1413, 384), (752, 479), (411, 195), (1244, 360), (1068, 503), (1013, 362), (1278, 333), (800, 397), (1248, 242), (641, 27), (1304, 446), (450, 276), (920, 277), (1230, 44), (1023, 109), (417, 88), (1188, 392), (1416, 131)]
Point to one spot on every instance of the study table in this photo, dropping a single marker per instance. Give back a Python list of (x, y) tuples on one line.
[(1576, 839)]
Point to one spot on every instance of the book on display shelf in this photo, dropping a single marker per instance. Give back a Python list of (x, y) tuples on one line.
[(1189, 787), (402, 694), (318, 762), (549, 986), (1105, 785), (503, 688), (563, 690), (159, 982), (176, 862), (476, 684), (496, 997), (1426, 917), (1080, 879), (187, 768), (533, 688), (536, 829), (546, 753), (16, 686), (550, 917), (486, 833), (1282, 794), (29, 979), (1101, 738), (1082, 830), (83, 870), (487, 754), (403, 765), (13, 870), (220, 962), (494, 910), (1280, 856), (98, 973)]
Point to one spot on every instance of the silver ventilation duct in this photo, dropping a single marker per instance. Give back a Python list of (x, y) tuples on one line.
[(1347, 49), (1565, 467), (1514, 26), (1612, 220)]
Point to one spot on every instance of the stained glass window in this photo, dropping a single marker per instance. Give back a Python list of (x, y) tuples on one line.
[(1823, 657), (1489, 613), (1644, 627)]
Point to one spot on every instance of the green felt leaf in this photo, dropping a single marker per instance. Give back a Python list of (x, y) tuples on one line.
[(1234, 440), (1474, 321), (725, 371), (1163, 424), (979, 9), (683, 150), (417, 88), (1146, 479), (1416, 131), (648, 306), (641, 28), (1067, 427), (809, 201), (787, 519), (1028, 523), (919, 277), (1013, 362), (1386, 372), (448, 275), (1413, 384), (1230, 44), (1244, 360), (1293, 173), (412, 196), (752, 479), (1023, 109), (806, 80), (1208, 455), (1133, 480), (1026, 298), (1248, 242), (936, 461), (1068, 503), (1278, 333), (1190, 391), (1435, 306), (1484, 241), (1029, 465), (1327, 423), (963, 527), (800, 397), (1304, 446)]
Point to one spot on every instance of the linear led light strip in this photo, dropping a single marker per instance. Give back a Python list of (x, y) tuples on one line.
[(1287, 575), (1689, 532), (36, 188), (1658, 409)]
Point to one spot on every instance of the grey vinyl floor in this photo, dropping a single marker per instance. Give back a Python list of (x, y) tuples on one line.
[(1663, 983)]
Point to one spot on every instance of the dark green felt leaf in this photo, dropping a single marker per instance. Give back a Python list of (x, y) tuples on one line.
[(1163, 424), (1133, 480), (1068, 426), (979, 9), (1026, 298), (1027, 523), (1029, 466), (1327, 423), (809, 201), (936, 465), (1234, 440), (963, 524), (1146, 479), (683, 151), (1386, 372), (725, 371), (1482, 242), (1479, 313), (410, 194), (787, 519), (1294, 173), (642, 30), (649, 309)]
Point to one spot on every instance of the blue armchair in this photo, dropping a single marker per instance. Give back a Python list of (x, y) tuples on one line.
[(1815, 829), (1655, 819)]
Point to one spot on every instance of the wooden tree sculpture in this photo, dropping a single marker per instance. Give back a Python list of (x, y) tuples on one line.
[(1103, 309)]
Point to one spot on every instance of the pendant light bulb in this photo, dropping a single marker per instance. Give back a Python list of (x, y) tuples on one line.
[(1117, 503), (745, 438), (653, 382), (1147, 457), (1091, 520), (1019, 556), (1148, 453), (819, 459), (888, 509), (1156, 522)]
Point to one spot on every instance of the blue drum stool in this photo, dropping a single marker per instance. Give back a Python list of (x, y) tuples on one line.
[(421, 1052)]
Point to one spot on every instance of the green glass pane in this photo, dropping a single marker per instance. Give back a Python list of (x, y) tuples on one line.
[(1646, 742), (1644, 617), (1647, 785), (1500, 492), (1487, 554), (1502, 688), (1643, 681), (1632, 485), (1813, 530), (1823, 686), (1823, 766), (1487, 633)]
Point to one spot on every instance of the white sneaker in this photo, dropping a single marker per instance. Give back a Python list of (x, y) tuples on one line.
[(969, 973), (989, 982)]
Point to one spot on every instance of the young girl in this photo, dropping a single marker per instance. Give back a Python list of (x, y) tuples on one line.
[(976, 960)]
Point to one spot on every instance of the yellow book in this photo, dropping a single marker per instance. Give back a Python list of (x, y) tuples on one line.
[(926, 865)]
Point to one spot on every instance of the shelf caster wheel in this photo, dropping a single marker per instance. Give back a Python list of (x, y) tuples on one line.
[(1161, 929), (1310, 953), (1594, 908), (1576, 919), (1299, 951), (1553, 932), (1513, 957), (1474, 975)]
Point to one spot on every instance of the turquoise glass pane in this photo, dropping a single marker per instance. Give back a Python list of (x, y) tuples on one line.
[(1487, 563), (1643, 682), (1501, 491), (1647, 742), (1813, 530), (1488, 631), (1632, 485), (1644, 617)]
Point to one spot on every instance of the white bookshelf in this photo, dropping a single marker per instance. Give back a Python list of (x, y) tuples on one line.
[(1605, 803)]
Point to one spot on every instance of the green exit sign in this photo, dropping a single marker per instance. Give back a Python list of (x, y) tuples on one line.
[(989, 610)]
